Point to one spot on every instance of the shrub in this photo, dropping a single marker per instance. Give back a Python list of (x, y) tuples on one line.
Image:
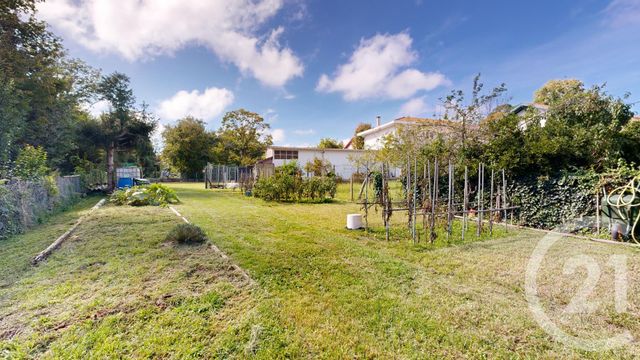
[(187, 234), (31, 163), (287, 184), (154, 194)]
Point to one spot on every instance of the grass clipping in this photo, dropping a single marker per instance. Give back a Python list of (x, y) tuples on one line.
[(154, 194)]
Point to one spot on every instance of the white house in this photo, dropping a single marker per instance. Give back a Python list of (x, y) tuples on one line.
[(374, 138), (340, 159), (539, 110)]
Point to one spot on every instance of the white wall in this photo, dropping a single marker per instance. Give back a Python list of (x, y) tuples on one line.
[(340, 159), (375, 141)]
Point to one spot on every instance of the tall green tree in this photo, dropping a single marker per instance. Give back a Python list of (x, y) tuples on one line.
[(329, 143), (583, 128), (188, 146), (243, 138), (122, 128), (47, 87)]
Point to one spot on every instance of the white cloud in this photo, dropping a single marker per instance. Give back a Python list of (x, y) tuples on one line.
[(206, 105), (278, 135), (99, 107), (304, 132), (378, 68), (621, 13), (414, 107), (147, 28)]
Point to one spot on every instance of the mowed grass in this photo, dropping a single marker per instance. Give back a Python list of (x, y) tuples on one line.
[(118, 290)]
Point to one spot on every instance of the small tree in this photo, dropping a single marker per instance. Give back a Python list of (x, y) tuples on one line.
[(329, 143), (474, 111), (31, 163), (357, 142), (188, 146), (318, 167)]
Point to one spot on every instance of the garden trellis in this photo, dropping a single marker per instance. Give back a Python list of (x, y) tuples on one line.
[(425, 197), (225, 176)]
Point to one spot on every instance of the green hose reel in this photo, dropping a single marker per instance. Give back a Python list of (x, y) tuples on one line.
[(622, 209)]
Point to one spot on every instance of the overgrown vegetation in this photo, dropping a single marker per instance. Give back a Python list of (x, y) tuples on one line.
[(186, 234), (287, 184), (154, 194), (545, 201)]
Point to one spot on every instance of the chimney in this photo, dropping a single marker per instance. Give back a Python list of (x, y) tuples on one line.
[(377, 120)]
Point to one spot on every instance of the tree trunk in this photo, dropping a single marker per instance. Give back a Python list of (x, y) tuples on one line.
[(111, 181)]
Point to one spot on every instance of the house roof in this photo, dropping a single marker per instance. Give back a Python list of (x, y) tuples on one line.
[(407, 120), (300, 148), (522, 107)]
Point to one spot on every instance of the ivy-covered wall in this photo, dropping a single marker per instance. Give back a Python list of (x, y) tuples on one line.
[(546, 202), (25, 203)]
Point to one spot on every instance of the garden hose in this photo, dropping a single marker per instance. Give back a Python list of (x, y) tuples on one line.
[(634, 190)]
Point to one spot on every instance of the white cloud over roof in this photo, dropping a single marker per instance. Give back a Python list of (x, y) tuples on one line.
[(379, 68), (202, 105), (147, 28)]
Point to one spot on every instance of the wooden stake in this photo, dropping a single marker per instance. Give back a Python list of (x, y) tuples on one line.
[(504, 199), (465, 201), (491, 206), (351, 187), (415, 190)]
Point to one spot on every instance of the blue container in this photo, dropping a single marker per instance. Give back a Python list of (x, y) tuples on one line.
[(125, 182)]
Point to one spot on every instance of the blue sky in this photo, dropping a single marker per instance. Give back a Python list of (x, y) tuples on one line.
[(317, 68)]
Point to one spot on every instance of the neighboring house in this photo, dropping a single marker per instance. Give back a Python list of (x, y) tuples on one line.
[(524, 109), (340, 159), (374, 138)]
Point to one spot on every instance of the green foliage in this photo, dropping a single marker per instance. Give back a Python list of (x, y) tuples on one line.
[(318, 167), (188, 146), (31, 163), (154, 194), (186, 234), (287, 184), (582, 129), (242, 139), (329, 143), (9, 213), (357, 142), (546, 202)]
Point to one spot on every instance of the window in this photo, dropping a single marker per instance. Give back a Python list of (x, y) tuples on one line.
[(285, 154)]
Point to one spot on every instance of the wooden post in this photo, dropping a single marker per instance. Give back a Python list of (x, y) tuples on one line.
[(415, 189), (479, 201), (427, 234), (491, 206), (504, 199), (387, 202), (449, 204), (366, 203), (434, 201), (465, 201), (351, 187), (598, 211)]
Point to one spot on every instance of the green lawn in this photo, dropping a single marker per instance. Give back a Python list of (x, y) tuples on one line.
[(118, 290)]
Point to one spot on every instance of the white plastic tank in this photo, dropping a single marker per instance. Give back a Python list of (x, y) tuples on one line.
[(354, 221)]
